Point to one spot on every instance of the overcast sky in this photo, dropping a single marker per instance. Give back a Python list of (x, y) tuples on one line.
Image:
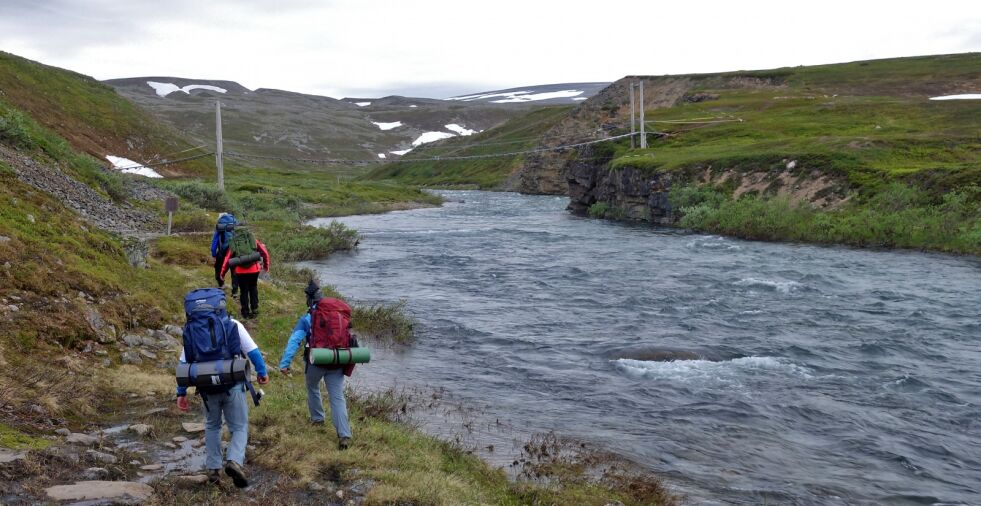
[(369, 48)]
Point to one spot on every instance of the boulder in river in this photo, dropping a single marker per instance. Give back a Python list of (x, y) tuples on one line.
[(122, 491)]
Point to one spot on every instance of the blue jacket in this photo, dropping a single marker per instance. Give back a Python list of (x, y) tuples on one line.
[(300, 332), (214, 245)]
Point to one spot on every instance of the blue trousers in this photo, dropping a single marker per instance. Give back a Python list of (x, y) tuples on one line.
[(235, 410), (334, 379)]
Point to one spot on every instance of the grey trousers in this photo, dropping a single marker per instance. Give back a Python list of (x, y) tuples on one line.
[(334, 380)]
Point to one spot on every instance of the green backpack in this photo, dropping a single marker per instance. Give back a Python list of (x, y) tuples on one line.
[(243, 243)]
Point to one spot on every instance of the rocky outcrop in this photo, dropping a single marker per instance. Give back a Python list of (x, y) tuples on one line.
[(627, 193)]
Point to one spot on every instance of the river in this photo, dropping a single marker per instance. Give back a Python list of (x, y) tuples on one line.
[(824, 375)]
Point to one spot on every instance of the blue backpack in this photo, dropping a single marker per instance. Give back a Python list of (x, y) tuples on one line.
[(225, 230), (209, 333)]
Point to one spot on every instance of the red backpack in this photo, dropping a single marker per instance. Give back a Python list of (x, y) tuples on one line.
[(330, 324)]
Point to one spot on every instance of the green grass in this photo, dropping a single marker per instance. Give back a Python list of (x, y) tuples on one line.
[(898, 216), (518, 134), (16, 440)]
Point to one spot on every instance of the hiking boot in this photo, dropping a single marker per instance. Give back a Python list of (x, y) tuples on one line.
[(344, 443), (317, 423), (236, 473), (214, 477)]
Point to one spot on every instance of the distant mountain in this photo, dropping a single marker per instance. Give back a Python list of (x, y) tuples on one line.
[(284, 124)]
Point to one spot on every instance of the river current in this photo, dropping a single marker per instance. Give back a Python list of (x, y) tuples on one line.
[(814, 375)]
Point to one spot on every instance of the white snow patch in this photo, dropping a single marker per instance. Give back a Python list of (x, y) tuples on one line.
[(362, 104), (469, 98), (581, 98), (967, 96), (127, 166), (460, 129), (381, 155), (413, 105), (164, 89), (388, 126), (539, 96), (428, 137), (400, 152)]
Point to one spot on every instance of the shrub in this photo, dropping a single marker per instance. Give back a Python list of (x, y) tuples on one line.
[(205, 196), (599, 209), (304, 242), (385, 322), (14, 129)]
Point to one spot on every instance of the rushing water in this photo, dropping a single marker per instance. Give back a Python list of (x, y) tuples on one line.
[(828, 375)]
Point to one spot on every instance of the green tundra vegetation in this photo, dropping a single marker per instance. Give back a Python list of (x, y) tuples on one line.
[(909, 167)]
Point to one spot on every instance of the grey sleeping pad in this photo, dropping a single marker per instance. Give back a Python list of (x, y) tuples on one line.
[(218, 372), (244, 260)]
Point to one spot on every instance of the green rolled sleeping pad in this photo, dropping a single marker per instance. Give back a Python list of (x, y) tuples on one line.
[(340, 356), (245, 259)]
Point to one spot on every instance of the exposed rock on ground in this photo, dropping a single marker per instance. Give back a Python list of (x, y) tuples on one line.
[(101, 490)]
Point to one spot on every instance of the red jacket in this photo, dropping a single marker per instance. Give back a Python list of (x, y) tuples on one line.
[(248, 269)]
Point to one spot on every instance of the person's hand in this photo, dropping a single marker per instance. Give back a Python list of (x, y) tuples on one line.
[(182, 403), (285, 371), (262, 380)]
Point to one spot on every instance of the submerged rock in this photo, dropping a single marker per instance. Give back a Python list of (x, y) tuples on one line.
[(100, 490)]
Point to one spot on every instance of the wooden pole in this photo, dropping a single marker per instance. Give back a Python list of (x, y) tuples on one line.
[(170, 220), (633, 138), (643, 136), (218, 159)]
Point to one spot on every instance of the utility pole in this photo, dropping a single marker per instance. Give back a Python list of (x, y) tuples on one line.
[(633, 138), (218, 159), (643, 136)]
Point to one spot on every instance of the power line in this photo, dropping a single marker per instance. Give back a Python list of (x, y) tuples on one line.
[(168, 162), (433, 158), (695, 122)]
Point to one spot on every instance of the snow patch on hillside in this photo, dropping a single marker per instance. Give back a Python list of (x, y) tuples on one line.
[(968, 96), (388, 126), (127, 166), (520, 96), (381, 155), (362, 104), (413, 105), (460, 129), (577, 99), (428, 137), (539, 96), (400, 152), (164, 89)]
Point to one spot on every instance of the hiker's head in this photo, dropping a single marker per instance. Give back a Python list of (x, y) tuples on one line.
[(313, 293)]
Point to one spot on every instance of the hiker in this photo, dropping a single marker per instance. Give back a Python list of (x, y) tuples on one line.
[(335, 335), (212, 337), (224, 230), (243, 257)]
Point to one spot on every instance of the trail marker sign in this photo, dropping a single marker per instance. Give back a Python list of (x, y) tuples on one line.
[(170, 205)]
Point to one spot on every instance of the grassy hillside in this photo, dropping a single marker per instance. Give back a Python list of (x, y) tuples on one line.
[(89, 115), (518, 134), (866, 121)]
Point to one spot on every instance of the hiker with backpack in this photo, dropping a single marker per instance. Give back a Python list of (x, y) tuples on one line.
[(326, 324), (214, 361), (224, 231), (244, 256)]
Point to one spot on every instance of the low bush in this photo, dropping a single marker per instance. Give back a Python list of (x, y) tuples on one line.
[(385, 322), (203, 195)]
